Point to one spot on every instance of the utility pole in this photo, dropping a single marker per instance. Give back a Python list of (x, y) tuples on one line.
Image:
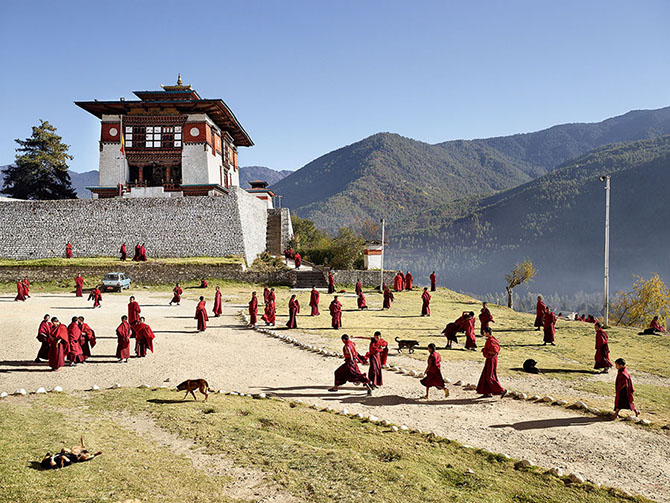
[(606, 289), (381, 278)]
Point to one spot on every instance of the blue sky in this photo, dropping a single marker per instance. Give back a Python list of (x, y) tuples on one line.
[(305, 78)]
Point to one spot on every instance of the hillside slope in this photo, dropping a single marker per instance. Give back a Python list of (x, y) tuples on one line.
[(556, 220), (79, 181), (248, 173)]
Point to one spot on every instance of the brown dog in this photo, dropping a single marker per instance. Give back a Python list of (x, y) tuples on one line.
[(78, 454), (190, 385), (406, 344)]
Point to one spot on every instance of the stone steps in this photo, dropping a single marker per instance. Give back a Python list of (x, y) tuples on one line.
[(307, 279), (273, 236)]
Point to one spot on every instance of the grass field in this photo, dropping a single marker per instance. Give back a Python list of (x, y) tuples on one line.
[(316, 456)]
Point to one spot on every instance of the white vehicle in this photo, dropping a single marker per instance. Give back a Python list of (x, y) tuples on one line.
[(115, 281)]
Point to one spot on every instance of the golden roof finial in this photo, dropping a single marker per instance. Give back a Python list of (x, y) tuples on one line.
[(179, 79)]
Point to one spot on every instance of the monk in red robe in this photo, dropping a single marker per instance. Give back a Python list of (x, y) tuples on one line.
[(425, 298), (266, 295), (201, 315), (271, 296), (433, 281), (454, 328), (253, 310), (602, 356), (489, 384), (26, 287), (136, 257), (145, 338), (485, 317), (331, 283), (539, 313), (408, 281), (176, 294), (656, 326), (314, 301), (359, 287), (123, 333), (624, 389), (349, 371), (362, 303), (97, 297), (298, 260), (43, 333), (434, 373), (79, 286), (270, 312), (218, 303), (123, 253), (399, 282), (469, 325), (143, 253), (549, 323), (87, 337), (133, 311), (335, 309), (293, 310), (68, 250), (58, 344), (74, 353), (20, 293), (376, 356), (388, 298)]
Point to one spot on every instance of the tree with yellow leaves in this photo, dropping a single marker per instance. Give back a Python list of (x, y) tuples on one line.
[(522, 273), (649, 298)]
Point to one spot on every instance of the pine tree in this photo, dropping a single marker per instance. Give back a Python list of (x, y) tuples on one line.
[(40, 168)]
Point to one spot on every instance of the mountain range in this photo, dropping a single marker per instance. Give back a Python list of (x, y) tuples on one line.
[(79, 181), (249, 173)]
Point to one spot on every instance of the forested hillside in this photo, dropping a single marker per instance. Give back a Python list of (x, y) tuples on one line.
[(248, 173)]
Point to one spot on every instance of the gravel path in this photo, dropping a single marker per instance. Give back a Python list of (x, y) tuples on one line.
[(231, 357)]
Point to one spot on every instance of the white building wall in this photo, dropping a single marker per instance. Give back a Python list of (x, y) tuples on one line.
[(213, 163), (193, 162), (111, 171), (235, 175)]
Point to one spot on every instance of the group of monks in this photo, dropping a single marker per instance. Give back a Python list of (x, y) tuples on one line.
[(22, 290), (140, 252), (201, 309), (60, 343)]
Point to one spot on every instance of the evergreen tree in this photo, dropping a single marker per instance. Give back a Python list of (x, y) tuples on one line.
[(40, 168)]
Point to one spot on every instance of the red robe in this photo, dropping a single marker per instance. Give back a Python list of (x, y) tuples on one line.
[(433, 372), (602, 356), (470, 339), (298, 260), (145, 339), (218, 308), (266, 295), (314, 302), (331, 283), (97, 297), (624, 391), (68, 250), (362, 304), (408, 280), (271, 297), (26, 287), (74, 352), (43, 336), (293, 310), (549, 327), (143, 254), (58, 346), (87, 339), (201, 316), (123, 333), (203, 283), (655, 325), (488, 382), (124, 255), (133, 312), (349, 371), (433, 282), (136, 257), (388, 298), (20, 292), (359, 287), (539, 316), (253, 310), (425, 308), (176, 295), (79, 286), (270, 313), (335, 309), (485, 317), (377, 355), (399, 283), (453, 328)]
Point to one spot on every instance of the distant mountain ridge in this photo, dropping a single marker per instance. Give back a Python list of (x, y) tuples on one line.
[(79, 181), (249, 173)]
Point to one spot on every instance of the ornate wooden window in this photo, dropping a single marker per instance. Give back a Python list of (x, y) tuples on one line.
[(151, 137)]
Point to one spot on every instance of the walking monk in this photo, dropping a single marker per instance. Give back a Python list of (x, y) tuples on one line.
[(43, 333), (624, 389), (349, 371), (97, 297), (314, 301), (359, 287), (74, 354), (176, 294), (335, 309), (293, 310), (68, 250), (377, 355), (26, 287), (433, 281), (201, 315), (425, 298), (602, 356), (124, 255), (266, 295), (408, 280), (539, 313), (87, 337), (270, 312), (469, 325), (489, 384), (20, 292), (331, 283), (145, 338), (136, 257), (362, 304), (549, 324), (123, 332), (133, 311), (79, 286), (399, 282), (434, 373), (297, 259), (388, 298), (218, 303), (58, 344), (253, 310), (485, 317)]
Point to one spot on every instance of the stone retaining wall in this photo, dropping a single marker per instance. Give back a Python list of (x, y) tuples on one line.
[(368, 278)]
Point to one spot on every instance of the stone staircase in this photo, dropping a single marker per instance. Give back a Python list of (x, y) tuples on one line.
[(273, 236), (309, 278)]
